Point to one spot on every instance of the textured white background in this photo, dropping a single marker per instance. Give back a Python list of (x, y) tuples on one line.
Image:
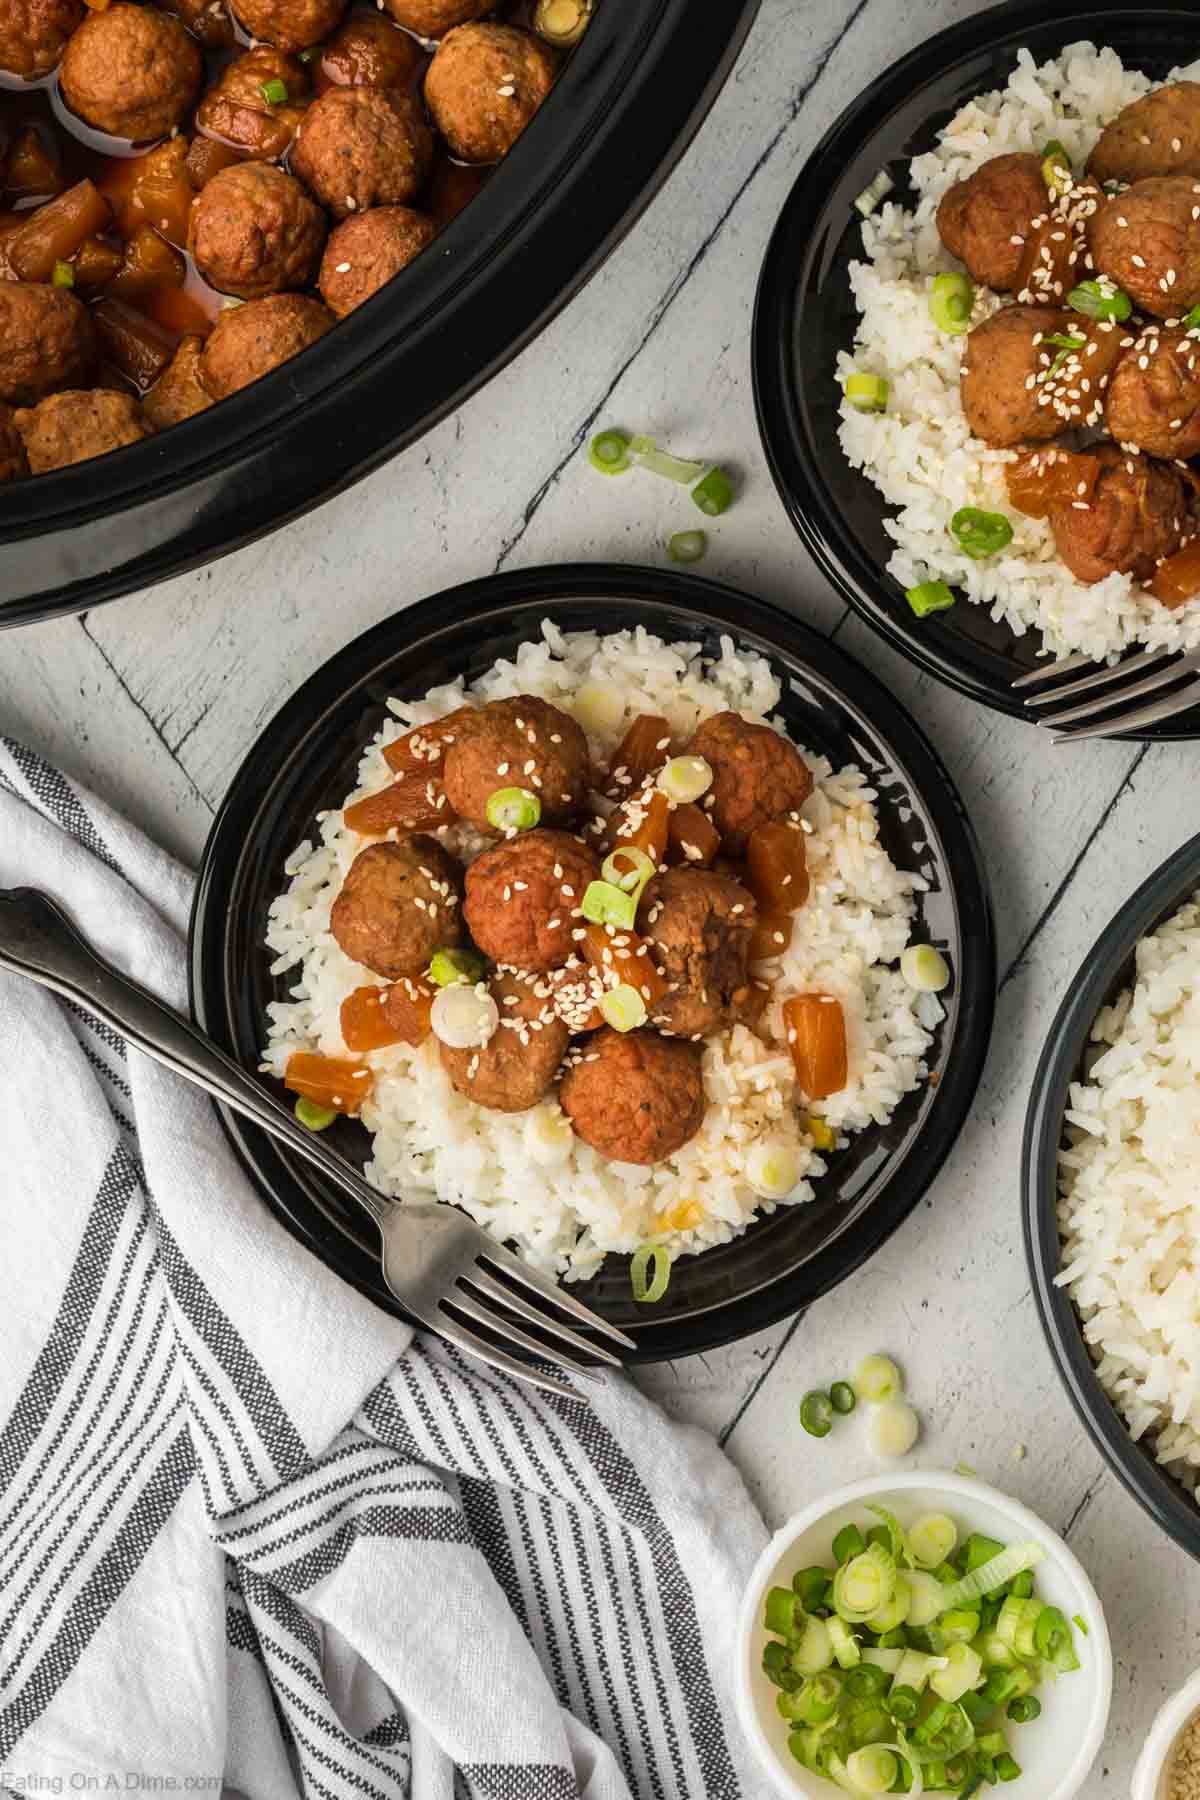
[(155, 699)]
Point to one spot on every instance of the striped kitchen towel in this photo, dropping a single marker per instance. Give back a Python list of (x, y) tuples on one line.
[(256, 1535)]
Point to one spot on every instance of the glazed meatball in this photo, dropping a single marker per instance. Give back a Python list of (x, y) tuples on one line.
[(177, 394), (74, 426), (398, 904), (523, 898), (132, 71), (521, 743), (34, 33), (635, 1097), (484, 85), (1139, 512), (698, 924), (254, 231), (984, 220), (1007, 394), (520, 1061), (430, 18), (363, 253), (290, 24), (757, 776), (46, 341), (1156, 135), (234, 112), (361, 147), (1148, 241), (1157, 407), (368, 51), (13, 461), (249, 341), (210, 25)]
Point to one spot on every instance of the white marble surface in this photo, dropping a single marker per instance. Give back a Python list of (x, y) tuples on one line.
[(154, 700)]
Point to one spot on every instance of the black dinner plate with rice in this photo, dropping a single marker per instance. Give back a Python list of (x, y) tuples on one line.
[(805, 314), (304, 761), (1107, 969)]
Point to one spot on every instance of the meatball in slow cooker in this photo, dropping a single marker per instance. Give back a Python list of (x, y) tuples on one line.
[(1147, 240), (360, 147), (13, 461), (369, 51), (520, 1061), (484, 85), (985, 220), (177, 394), (1139, 512), (34, 33), (365, 251), (758, 776), (255, 231), (74, 426), (1007, 393), (523, 898), (235, 110), (46, 341), (290, 24), (1154, 394), (1156, 135), (635, 1097), (249, 341), (520, 743), (398, 904), (132, 71), (430, 18), (698, 924)]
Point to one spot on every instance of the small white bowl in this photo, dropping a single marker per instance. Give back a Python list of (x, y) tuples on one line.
[(1055, 1751), (1154, 1764)]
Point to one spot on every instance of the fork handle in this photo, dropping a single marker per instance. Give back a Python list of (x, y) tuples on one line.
[(38, 940)]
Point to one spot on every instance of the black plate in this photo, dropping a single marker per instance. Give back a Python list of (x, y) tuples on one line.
[(305, 760), (624, 110), (1107, 968), (805, 314)]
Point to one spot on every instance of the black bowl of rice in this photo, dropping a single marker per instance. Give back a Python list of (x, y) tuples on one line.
[(1111, 1171), (871, 494)]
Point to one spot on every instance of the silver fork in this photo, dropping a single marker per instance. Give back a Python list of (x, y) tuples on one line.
[(1113, 694), (440, 1266)]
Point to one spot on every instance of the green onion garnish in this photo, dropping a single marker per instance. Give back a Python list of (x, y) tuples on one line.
[(647, 455), (447, 967), (873, 1770), (1024, 1709), (867, 393), (873, 193), (877, 1378), (714, 495), (62, 275), (904, 1703), (816, 1414), (1191, 321), (646, 1292), (687, 546), (980, 533), (1007, 1769), (627, 868), (867, 1681), (811, 1585), (604, 904), (309, 55), (1100, 300), (1078, 1619), (609, 452), (932, 1539), (314, 1117), (848, 1544), (783, 1614), (513, 809), (1056, 166), (951, 298), (274, 92), (843, 1397), (819, 1698), (624, 1008), (929, 597)]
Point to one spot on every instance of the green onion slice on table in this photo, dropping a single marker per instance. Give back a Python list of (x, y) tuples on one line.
[(609, 453), (843, 1397), (713, 495), (646, 454), (687, 546), (816, 1414)]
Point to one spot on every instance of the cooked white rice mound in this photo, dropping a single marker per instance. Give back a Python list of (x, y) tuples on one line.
[(1129, 1206), (560, 1203), (920, 454)]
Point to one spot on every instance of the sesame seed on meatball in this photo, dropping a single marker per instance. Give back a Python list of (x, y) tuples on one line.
[(520, 1061), (758, 776)]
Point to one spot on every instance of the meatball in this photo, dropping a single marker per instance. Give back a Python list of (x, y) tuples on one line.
[(430, 18), (1156, 135), (77, 425), (13, 461), (1156, 407), (234, 112), (363, 253), (362, 147), (523, 898), (249, 341), (1007, 395), (46, 341), (521, 1059), (635, 1097), (398, 904), (290, 24), (1147, 240), (34, 33), (985, 219), (484, 85), (368, 51), (521, 743), (132, 71), (699, 925), (210, 25), (254, 231), (1139, 512), (757, 776), (177, 394)]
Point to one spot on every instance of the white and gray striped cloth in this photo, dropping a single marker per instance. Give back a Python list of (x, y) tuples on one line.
[(254, 1534)]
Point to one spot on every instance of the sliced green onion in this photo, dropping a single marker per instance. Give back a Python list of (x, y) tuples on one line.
[(925, 1598), (783, 1613), (904, 1703), (624, 1008), (873, 1770), (1024, 1709), (867, 393), (816, 1414), (811, 1585), (685, 779), (889, 1641), (773, 1169), (1078, 1619), (861, 1587), (1100, 300), (893, 1428), (1191, 320), (274, 92), (1052, 1639), (627, 868), (562, 22), (1055, 164), (646, 1292), (714, 495), (932, 1538), (929, 597), (877, 1378), (687, 546), (646, 454), (1007, 1768), (963, 1673), (993, 1574), (814, 1652), (946, 1731), (965, 1468), (916, 1669), (62, 275), (958, 1626), (845, 1644), (951, 299), (819, 1698), (309, 55), (1022, 1586), (314, 1117), (979, 1549), (609, 453), (875, 191), (448, 966), (848, 1544), (513, 809), (867, 1682), (843, 1397), (777, 1666), (893, 1612), (980, 533), (605, 904)]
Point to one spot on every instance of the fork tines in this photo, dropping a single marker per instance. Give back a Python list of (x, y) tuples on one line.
[(1116, 695)]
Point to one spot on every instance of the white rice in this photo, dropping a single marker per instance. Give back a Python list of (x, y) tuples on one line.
[(920, 454), (566, 1209), (1129, 1207)]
